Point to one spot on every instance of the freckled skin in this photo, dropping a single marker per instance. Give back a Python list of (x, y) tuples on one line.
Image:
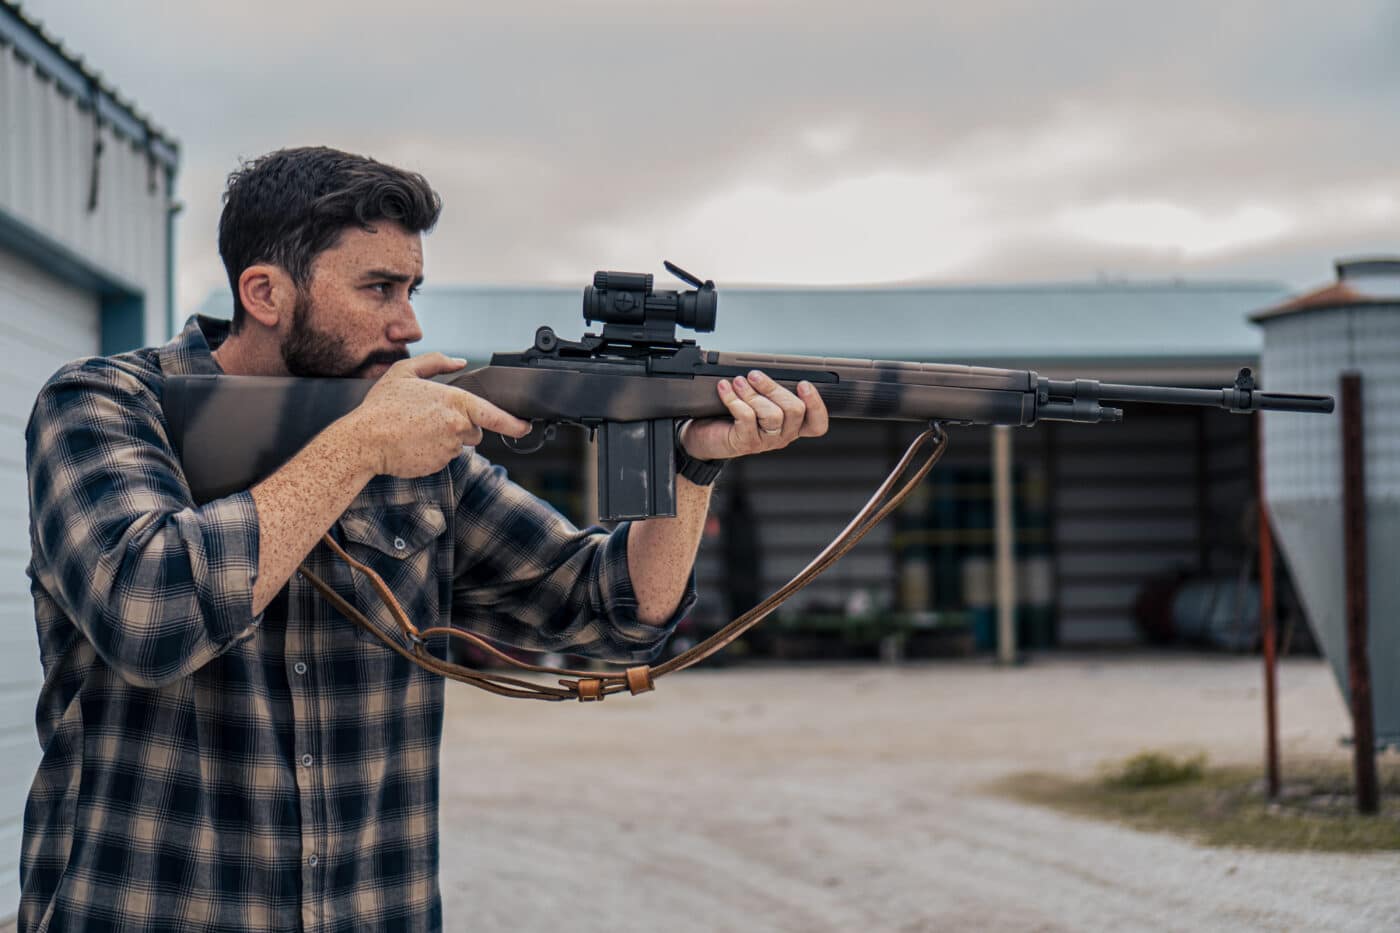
[(406, 426), (355, 318), (372, 322)]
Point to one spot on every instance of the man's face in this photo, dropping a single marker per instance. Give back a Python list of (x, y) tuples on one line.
[(355, 317)]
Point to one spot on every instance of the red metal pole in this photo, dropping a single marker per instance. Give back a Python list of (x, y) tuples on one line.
[(1268, 623), (1354, 525)]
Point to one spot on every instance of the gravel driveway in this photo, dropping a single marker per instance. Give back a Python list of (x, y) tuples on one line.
[(846, 798)]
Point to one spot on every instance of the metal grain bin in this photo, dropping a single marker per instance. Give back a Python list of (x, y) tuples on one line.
[(1352, 325)]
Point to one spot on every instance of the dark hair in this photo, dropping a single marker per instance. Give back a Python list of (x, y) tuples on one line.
[(289, 206)]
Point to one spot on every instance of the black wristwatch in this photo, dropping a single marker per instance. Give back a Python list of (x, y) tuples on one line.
[(699, 472)]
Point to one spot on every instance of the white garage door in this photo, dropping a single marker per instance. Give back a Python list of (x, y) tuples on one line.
[(44, 323)]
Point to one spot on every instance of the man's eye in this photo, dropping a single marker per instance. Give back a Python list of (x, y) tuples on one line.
[(381, 287)]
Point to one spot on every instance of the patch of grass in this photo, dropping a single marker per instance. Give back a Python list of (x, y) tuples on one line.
[(1227, 806), (1154, 769)]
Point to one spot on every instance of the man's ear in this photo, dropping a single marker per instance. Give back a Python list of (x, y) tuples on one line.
[(267, 293)]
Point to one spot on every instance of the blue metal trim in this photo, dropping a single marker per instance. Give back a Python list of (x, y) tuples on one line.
[(19, 238), (83, 85), (15, 30), (172, 320), (122, 304), (123, 323)]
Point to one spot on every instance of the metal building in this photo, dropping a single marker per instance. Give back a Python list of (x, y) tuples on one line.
[(1110, 507), (86, 187), (1350, 326)]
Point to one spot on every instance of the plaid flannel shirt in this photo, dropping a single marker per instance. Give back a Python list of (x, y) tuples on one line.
[(208, 769)]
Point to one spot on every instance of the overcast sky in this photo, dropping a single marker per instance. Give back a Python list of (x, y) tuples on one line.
[(800, 141)]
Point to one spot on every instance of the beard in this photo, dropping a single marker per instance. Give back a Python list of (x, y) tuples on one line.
[(309, 351)]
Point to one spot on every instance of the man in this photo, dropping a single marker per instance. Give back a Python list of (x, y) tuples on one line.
[(221, 749)]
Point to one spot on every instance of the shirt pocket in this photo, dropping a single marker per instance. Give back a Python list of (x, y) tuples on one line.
[(401, 544)]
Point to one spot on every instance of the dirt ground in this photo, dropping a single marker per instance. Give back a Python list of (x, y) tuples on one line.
[(849, 798)]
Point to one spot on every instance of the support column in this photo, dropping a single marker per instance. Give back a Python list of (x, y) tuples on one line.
[(1357, 605), (1268, 617), (1003, 496)]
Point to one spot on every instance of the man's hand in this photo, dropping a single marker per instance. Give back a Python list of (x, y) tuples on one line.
[(763, 416), (413, 427)]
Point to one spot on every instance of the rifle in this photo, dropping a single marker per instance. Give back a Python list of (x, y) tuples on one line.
[(631, 385)]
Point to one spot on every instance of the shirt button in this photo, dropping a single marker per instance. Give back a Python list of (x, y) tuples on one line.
[(400, 544), (300, 667), (307, 759), (313, 861)]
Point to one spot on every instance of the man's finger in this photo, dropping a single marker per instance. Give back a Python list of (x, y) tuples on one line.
[(429, 364), (488, 416), (815, 422), (769, 415), (745, 420), (792, 407)]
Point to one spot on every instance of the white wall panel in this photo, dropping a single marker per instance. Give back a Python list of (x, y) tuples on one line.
[(43, 323)]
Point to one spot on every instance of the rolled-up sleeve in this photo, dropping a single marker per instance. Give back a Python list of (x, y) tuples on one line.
[(525, 576), (159, 586)]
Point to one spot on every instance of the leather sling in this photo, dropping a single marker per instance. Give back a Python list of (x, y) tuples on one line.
[(596, 685)]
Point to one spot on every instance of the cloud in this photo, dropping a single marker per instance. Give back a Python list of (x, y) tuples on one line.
[(807, 140), (1162, 225)]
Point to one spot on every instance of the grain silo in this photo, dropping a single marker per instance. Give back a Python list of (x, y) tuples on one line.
[(1310, 342)]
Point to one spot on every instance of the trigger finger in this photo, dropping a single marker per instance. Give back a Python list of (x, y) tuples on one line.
[(488, 416)]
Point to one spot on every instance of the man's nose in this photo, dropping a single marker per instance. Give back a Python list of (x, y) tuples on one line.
[(404, 327)]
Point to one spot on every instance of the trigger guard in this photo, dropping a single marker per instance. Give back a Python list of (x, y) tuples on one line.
[(545, 430)]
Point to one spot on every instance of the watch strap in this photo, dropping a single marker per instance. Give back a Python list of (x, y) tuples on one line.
[(700, 472)]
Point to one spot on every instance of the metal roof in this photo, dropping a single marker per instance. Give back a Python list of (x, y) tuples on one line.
[(33, 43), (1180, 321), (1361, 282)]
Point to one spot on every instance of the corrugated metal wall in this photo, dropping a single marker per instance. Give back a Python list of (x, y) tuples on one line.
[(801, 498), (1127, 502), (46, 183), (1165, 489)]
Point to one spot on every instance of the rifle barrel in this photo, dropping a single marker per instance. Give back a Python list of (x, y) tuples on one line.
[(1236, 398)]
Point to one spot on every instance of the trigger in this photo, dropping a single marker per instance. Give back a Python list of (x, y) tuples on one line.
[(541, 433)]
